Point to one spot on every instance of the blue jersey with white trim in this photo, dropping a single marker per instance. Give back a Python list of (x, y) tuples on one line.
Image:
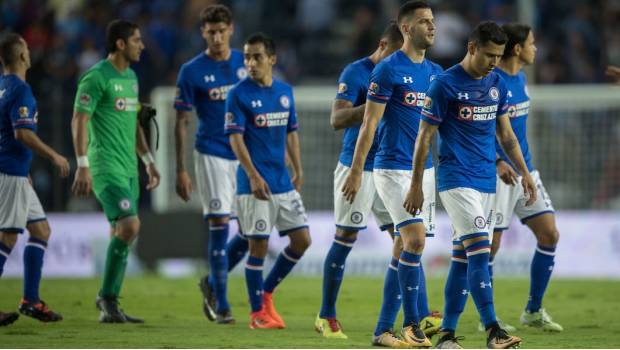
[(203, 84), (353, 87), (401, 84), (264, 115), (518, 111), (466, 110), (18, 110)]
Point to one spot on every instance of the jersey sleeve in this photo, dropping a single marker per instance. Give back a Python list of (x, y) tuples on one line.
[(89, 92), (234, 120), (348, 85), (24, 110), (381, 86), (435, 104), (184, 98), (503, 103), (292, 118)]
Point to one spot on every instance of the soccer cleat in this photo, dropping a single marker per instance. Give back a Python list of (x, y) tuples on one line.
[(131, 319), (500, 339), (261, 320), (208, 298), (270, 309), (414, 336), (224, 317), (6, 318), (540, 320), (448, 341), (502, 324), (39, 311), (329, 328), (431, 324), (110, 313), (388, 340)]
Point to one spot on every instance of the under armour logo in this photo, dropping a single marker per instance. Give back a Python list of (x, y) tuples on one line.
[(259, 292), (219, 252), (257, 103), (408, 79), (409, 288), (2, 92), (209, 78), (398, 297), (463, 96), (509, 93), (118, 87), (484, 285), (464, 292)]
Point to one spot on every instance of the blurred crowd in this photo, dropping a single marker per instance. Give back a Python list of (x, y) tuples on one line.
[(576, 39)]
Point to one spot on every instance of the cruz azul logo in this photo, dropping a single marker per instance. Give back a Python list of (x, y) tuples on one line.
[(519, 109), (268, 120), (476, 113), (412, 98), (219, 93)]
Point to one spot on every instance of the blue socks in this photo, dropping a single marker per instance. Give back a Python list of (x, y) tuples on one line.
[(491, 258), (479, 280), (33, 262), (284, 264), (333, 271), (540, 273), (5, 251), (456, 290), (254, 282), (423, 310), (391, 299), (236, 249), (409, 280), (218, 262)]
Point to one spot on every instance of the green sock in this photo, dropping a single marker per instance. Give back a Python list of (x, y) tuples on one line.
[(115, 263)]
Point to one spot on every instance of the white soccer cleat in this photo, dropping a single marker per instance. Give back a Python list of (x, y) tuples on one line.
[(540, 320)]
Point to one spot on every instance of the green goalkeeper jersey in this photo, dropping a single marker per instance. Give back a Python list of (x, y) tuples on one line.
[(110, 98)]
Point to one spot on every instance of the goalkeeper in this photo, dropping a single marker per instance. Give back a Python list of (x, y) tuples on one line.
[(106, 137)]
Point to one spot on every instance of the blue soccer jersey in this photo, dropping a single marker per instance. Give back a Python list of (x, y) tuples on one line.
[(353, 87), (401, 84), (203, 84), (264, 115), (18, 109), (466, 110), (518, 110)]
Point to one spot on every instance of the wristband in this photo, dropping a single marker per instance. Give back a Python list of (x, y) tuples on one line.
[(82, 162), (147, 159)]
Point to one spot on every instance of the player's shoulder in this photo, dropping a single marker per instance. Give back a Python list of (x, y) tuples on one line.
[(11, 86), (236, 54), (197, 60), (434, 67), (96, 71), (240, 87), (361, 65), (280, 85)]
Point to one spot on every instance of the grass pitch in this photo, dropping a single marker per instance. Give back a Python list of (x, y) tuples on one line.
[(588, 310)]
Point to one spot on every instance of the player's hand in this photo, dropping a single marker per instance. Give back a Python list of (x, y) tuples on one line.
[(506, 173), (529, 188), (184, 185), (83, 182), (297, 180), (62, 164), (154, 176), (259, 187), (351, 186), (414, 200)]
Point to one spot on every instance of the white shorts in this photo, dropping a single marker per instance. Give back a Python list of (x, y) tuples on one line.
[(511, 199), (354, 216), (257, 217), (471, 212), (19, 204), (217, 184), (393, 185)]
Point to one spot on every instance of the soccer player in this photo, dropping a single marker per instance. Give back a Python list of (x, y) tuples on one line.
[(395, 97), (468, 104), (347, 113), (539, 217), (106, 137), (203, 83), (19, 205), (261, 122)]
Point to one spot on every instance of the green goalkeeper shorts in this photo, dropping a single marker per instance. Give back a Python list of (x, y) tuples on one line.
[(118, 195)]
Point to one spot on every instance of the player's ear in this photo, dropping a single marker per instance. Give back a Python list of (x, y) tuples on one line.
[(273, 59), (383, 44), (517, 49), (471, 47), (232, 28), (120, 44)]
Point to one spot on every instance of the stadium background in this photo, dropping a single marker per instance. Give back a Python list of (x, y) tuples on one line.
[(574, 134)]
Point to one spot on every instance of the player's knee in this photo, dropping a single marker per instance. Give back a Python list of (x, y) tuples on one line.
[(548, 236), (496, 243), (127, 229), (258, 247), (8, 239), (414, 245), (40, 230), (301, 242), (348, 235), (218, 221), (397, 247)]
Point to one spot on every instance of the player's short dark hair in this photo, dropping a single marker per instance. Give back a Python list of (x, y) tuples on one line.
[(517, 34), (215, 14), (118, 29), (10, 44), (409, 8), (392, 33), (488, 31), (261, 38)]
